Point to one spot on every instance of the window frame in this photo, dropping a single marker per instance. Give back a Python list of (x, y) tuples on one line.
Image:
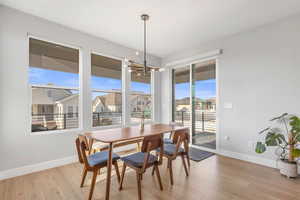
[(84, 89), (91, 90), (80, 79), (152, 88)]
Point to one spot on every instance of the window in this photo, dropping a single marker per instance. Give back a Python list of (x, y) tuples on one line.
[(106, 91), (181, 95), (140, 96), (54, 81)]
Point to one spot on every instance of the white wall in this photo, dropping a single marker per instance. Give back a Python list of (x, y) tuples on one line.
[(17, 147), (259, 73)]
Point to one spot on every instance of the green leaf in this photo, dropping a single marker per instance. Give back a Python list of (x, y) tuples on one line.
[(297, 137), (264, 130), (295, 125), (260, 147), (296, 153), (280, 117), (274, 139)]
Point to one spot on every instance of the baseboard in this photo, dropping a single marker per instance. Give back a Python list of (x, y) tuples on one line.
[(28, 169), (248, 158), (36, 167)]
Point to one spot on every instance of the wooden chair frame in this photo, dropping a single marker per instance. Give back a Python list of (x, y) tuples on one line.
[(180, 137), (83, 151), (150, 143)]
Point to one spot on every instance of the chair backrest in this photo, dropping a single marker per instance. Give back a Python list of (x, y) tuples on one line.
[(82, 147), (182, 134), (151, 143), (180, 137)]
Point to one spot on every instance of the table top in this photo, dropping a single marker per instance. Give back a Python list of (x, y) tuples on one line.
[(133, 132)]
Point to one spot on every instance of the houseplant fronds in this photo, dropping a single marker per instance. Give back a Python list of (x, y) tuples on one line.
[(285, 138)]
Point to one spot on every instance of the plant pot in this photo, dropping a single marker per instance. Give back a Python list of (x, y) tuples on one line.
[(288, 169)]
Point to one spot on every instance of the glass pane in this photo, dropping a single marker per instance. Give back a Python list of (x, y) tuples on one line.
[(54, 79), (140, 97), (204, 129), (107, 109), (53, 109), (181, 96), (106, 94)]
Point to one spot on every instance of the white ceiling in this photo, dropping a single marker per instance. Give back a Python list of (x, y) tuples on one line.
[(175, 25)]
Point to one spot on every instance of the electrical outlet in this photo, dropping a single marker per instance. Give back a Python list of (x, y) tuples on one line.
[(228, 105)]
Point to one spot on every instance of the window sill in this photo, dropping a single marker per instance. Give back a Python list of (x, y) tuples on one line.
[(138, 123), (105, 127), (56, 132)]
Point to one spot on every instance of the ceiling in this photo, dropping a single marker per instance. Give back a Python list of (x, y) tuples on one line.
[(175, 25)]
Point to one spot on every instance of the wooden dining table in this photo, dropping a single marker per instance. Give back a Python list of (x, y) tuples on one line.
[(116, 135)]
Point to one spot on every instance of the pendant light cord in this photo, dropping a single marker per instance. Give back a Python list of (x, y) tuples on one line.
[(145, 62)]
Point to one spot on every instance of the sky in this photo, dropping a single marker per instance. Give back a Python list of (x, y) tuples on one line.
[(45, 76), (204, 89)]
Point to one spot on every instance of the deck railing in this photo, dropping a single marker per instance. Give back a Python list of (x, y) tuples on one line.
[(205, 121), (46, 122)]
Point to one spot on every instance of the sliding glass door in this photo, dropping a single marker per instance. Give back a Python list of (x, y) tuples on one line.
[(194, 101), (204, 104)]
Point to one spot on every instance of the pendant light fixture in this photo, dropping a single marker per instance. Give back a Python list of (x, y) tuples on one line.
[(144, 67)]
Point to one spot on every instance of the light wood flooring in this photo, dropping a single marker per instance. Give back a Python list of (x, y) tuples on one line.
[(216, 178)]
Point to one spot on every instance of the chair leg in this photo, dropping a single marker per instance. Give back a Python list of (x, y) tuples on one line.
[(117, 170), (171, 171), (158, 176), (138, 178), (93, 184), (153, 170), (188, 159), (122, 176), (83, 177), (184, 164)]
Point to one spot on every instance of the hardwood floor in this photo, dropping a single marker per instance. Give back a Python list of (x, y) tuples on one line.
[(216, 178)]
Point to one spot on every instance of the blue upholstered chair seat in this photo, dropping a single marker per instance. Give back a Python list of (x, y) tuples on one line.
[(101, 158), (168, 141), (169, 149), (137, 159)]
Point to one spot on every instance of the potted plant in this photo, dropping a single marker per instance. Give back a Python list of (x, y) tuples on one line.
[(286, 138)]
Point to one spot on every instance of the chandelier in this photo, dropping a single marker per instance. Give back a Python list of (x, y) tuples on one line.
[(143, 67)]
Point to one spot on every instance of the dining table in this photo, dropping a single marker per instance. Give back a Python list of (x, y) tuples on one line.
[(117, 135)]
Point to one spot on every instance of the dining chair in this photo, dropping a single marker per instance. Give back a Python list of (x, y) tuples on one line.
[(169, 140), (179, 147), (93, 162), (142, 160)]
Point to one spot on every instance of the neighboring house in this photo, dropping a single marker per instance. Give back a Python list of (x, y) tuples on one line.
[(140, 102), (200, 104), (111, 102), (58, 108), (52, 108)]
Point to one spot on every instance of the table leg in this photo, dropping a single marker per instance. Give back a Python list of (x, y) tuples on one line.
[(109, 165)]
